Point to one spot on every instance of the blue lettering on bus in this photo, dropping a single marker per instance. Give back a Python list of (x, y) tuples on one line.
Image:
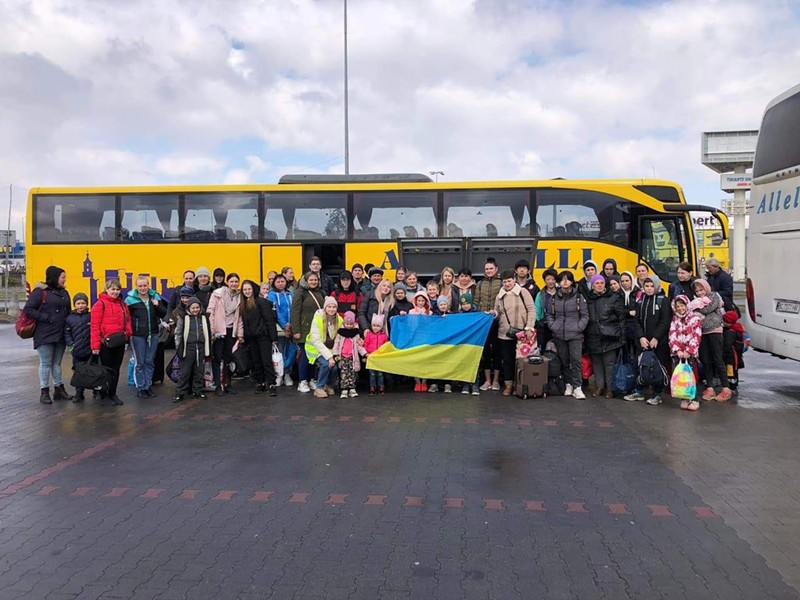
[(390, 261), (563, 262), (775, 203)]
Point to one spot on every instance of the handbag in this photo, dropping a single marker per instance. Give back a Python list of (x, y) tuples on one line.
[(277, 361), (26, 324), (115, 340), (91, 375), (512, 332), (682, 383), (163, 332), (624, 379), (174, 368), (241, 360)]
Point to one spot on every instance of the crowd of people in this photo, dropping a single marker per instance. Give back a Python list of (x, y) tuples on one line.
[(324, 330)]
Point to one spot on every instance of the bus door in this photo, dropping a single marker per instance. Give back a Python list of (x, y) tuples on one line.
[(428, 256), (330, 253), (506, 251), (276, 256)]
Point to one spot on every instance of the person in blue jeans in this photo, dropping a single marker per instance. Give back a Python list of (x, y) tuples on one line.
[(147, 309)]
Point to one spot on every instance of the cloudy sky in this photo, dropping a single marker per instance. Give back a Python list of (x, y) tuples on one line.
[(97, 92)]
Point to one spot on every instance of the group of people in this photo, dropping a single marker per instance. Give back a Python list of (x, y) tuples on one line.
[(324, 329)]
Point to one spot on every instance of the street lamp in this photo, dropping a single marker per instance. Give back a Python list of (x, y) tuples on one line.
[(436, 174)]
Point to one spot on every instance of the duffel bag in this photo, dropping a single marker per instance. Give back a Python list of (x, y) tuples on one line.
[(91, 375)]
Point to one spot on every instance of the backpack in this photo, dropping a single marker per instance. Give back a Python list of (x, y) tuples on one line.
[(651, 371), (556, 386), (554, 366)]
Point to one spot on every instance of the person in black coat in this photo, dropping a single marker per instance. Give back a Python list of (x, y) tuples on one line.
[(720, 282), (604, 333), (653, 318), (78, 334), (260, 332), (175, 296), (49, 305), (684, 284)]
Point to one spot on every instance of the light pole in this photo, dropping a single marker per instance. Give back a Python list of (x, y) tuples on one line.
[(346, 108), (436, 175)]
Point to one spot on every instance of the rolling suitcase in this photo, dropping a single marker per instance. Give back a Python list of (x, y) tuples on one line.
[(531, 377)]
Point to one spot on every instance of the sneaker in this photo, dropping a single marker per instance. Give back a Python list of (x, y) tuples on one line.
[(372, 390), (312, 384), (724, 395), (151, 393), (684, 405), (448, 388), (304, 388), (609, 394), (694, 405), (353, 393), (199, 395), (495, 386), (381, 390), (433, 388), (568, 390), (178, 398), (655, 400), (287, 380), (634, 397), (578, 393), (142, 394), (465, 390), (476, 390), (273, 390), (329, 390), (709, 394), (320, 393), (343, 394), (116, 400), (219, 391), (229, 390)]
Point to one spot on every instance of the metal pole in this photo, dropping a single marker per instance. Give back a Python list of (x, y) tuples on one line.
[(346, 107), (739, 231), (8, 246)]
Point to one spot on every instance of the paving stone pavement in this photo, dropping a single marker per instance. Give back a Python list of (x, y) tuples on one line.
[(402, 496)]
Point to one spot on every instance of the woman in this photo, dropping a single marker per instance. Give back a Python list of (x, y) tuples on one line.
[(281, 299), (465, 283), (264, 288), (709, 305), (202, 286), (567, 318), (219, 278), (484, 298), (288, 273), (604, 333), (653, 318), (629, 294), (307, 301), (380, 302), (49, 305), (448, 289), (146, 309), (319, 346), (111, 329), (642, 271), (513, 308), (260, 332), (271, 277), (542, 303), (226, 328), (684, 285)]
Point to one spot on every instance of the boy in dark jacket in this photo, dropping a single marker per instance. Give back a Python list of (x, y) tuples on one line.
[(193, 341), (653, 318), (77, 333), (346, 294)]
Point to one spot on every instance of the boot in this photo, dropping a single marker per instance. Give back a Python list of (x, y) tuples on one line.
[(116, 400), (45, 397), (508, 388), (78, 397), (60, 393), (261, 388)]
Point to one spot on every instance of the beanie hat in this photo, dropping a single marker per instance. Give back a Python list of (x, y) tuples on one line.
[(80, 296), (194, 300), (730, 317), (330, 301), (378, 319), (400, 286), (349, 317), (202, 271), (442, 300), (186, 291), (465, 298), (595, 279), (219, 272), (375, 271)]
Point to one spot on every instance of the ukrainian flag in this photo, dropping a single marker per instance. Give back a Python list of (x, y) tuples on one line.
[(434, 347)]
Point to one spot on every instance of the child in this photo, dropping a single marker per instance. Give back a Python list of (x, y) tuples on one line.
[(708, 305), (193, 343), (442, 308), (422, 306), (374, 339), (432, 289), (78, 337), (465, 305), (732, 347), (346, 294), (401, 303), (347, 345), (685, 333)]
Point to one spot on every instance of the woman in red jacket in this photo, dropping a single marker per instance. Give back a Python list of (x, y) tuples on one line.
[(111, 329)]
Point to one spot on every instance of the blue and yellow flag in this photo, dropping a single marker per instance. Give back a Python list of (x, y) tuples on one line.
[(434, 347)]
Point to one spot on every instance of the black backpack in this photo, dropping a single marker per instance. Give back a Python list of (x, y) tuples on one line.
[(556, 386), (554, 366), (651, 371)]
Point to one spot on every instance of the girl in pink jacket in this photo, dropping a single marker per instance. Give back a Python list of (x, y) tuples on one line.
[(374, 339)]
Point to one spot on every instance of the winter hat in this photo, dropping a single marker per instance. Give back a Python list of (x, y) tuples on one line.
[(378, 319), (202, 271), (194, 300), (219, 272), (442, 300), (330, 301), (400, 286), (346, 275), (186, 291), (465, 298), (595, 279), (51, 275), (349, 318), (80, 296), (375, 270), (730, 317)]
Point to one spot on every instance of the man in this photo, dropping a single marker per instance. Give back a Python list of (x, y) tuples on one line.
[(175, 296), (485, 295), (589, 271), (523, 277), (325, 281), (720, 282), (358, 276), (375, 277)]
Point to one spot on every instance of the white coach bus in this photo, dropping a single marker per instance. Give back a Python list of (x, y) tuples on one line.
[(773, 247)]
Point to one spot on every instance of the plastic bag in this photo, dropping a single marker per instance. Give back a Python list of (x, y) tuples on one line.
[(586, 366), (277, 361), (131, 369), (208, 375), (682, 384), (174, 368)]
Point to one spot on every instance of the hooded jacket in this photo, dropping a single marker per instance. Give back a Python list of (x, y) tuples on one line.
[(568, 315), (722, 283), (259, 322), (603, 270), (583, 285), (420, 311), (606, 318), (282, 301), (684, 331), (653, 315), (49, 305), (373, 341), (78, 333), (109, 316), (711, 313), (193, 333), (144, 315)]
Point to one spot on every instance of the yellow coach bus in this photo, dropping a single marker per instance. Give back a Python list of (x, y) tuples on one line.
[(387, 220)]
